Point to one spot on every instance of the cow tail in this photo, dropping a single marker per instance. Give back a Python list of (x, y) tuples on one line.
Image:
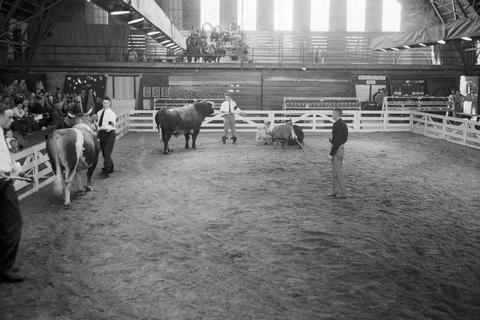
[(58, 184)]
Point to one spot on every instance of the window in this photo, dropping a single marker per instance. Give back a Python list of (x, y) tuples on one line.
[(319, 15), (356, 15), (283, 15), (392, 15), (210, 12), (95, 14), (247, 14)]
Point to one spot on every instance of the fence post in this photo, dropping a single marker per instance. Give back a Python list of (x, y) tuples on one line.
[(425, 118), (385, 120), (356, 121), (465, 133), (444, 129), (35, 169), (410, 125), (314, 122), (154, 125)]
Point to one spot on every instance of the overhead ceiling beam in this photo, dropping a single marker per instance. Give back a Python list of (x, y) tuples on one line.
[(433, 3), (462, 9)]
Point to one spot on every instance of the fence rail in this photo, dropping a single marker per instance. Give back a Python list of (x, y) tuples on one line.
[(460, 131), (309, 121), (35, 162)]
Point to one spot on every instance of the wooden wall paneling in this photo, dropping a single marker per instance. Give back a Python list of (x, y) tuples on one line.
[(215, 83), (304, 84)]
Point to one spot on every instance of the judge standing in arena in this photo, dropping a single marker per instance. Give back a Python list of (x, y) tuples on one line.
[(106, 134), (228, 109), (337, 153), (10, 216)]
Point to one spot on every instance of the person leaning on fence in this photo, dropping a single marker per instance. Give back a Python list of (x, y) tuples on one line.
[(10, 215), (228, 109)]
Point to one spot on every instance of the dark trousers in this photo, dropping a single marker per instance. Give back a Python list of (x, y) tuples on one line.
[(107, 141), (10, 224)]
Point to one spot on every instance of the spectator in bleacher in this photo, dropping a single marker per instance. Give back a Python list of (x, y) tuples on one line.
[(8, 101), (19, 124), (27, 117), (12, 89), (39, 86), (14, 141), (90, 101), (40, 111), (22, 88)]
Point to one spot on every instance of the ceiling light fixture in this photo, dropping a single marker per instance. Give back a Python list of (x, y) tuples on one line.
[(406, 47), (467, 38), (118, 10), (422, 44), (441, 41), (136, 20), (152, 33), (395, 49)]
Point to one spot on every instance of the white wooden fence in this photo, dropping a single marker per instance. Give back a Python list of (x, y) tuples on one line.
[(461, 131), (35, 162), (310, 121)]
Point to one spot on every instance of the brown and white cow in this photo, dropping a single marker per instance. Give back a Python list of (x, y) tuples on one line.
[(71, 151), (185, 120)]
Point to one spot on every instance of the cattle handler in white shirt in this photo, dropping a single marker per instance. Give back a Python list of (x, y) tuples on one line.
[(228, 109), (10, 215), (106, 134)]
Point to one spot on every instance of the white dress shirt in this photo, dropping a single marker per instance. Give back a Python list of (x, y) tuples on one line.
[(7, 165), (224, 108), (109, 120)]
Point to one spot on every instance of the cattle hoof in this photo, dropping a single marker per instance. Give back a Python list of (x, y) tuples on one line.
[(66, 206), (88, 188), (81, 192)]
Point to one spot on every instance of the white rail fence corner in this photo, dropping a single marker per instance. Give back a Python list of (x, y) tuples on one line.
[(461, 131), (35, 161)]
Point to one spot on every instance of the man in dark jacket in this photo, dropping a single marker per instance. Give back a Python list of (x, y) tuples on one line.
[(337, 152)]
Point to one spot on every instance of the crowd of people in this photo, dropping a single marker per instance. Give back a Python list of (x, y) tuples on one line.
[(214, 43), (35, 109)]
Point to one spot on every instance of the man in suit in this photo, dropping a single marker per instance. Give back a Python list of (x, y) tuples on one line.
[(337, 152)]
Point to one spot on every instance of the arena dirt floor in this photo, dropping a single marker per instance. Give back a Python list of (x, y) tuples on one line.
[(248, 231)]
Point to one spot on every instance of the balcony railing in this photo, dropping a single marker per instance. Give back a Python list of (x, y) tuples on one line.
[(263, 48)]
